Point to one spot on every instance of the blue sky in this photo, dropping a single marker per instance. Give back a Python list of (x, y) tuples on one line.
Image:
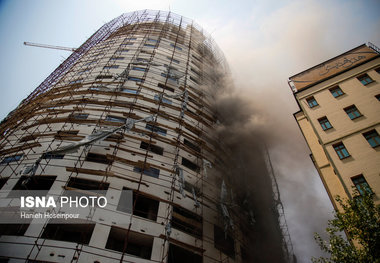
[(264, 42)]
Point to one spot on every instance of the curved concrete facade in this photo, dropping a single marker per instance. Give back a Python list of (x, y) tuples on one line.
[(152, 74)]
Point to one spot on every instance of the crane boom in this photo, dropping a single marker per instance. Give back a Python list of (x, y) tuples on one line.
[(49, 46)]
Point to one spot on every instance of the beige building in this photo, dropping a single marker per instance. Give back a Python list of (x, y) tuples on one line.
[(339, 117)]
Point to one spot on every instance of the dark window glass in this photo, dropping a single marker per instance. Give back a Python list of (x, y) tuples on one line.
[(186, 256), (373, 138), (148, 171), (115, 119), (341, 150), (111, 67), (352, 112), (336, 92), (135, 79), (3, 180), (325, 124), (164, 100), (189, 164), (98, 158), (139, 69), (138, 244), (152, 148), (145, 207), (365, 79), (192, 145), (155, 129), (187, 221), (312, 102), (149, 45), (85, 184), (377, 97), (78, 233), (223, 242), (165, 87), (35, 183), (53, 156), (104, 77), (361, 184), (13, 230), (13, 158), (80, 116), (177, 47)]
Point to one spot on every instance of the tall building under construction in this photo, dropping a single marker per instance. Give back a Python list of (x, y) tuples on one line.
[(339, 117), (131, 111)]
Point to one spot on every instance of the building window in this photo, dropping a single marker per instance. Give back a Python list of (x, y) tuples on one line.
[(111, 67), (187, 221), (13, 230), (152, 40), (80, 116), (85, 184), (168, 76), (377, 97), (365, 79), (13, 158), (104, 77), (336, 92), (115, 119), (361, 184), (78, 233), (3, 181), (135, 79), (311, 102), (52, 156), (341, 150), (377, 70), (224, 243), (153, 172), (145, 207), (192, 145), (352, 112), (176, 47), (152, 148), (98, 158), (41, 183), (186, 256), (189, 164), (76, 81), (130, 38), (325, 124), (149, 45), (156, 129), (131, 91), (165, 87), (139, 69), (138, 244), (173, 60), (157, 97), (373, 138)]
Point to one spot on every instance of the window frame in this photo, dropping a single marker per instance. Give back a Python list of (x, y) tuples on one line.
[(360, 182), (373, 136), (323, 121), (341, 150), (365, 79), (310, 102), (336, 91), (353, 112)]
